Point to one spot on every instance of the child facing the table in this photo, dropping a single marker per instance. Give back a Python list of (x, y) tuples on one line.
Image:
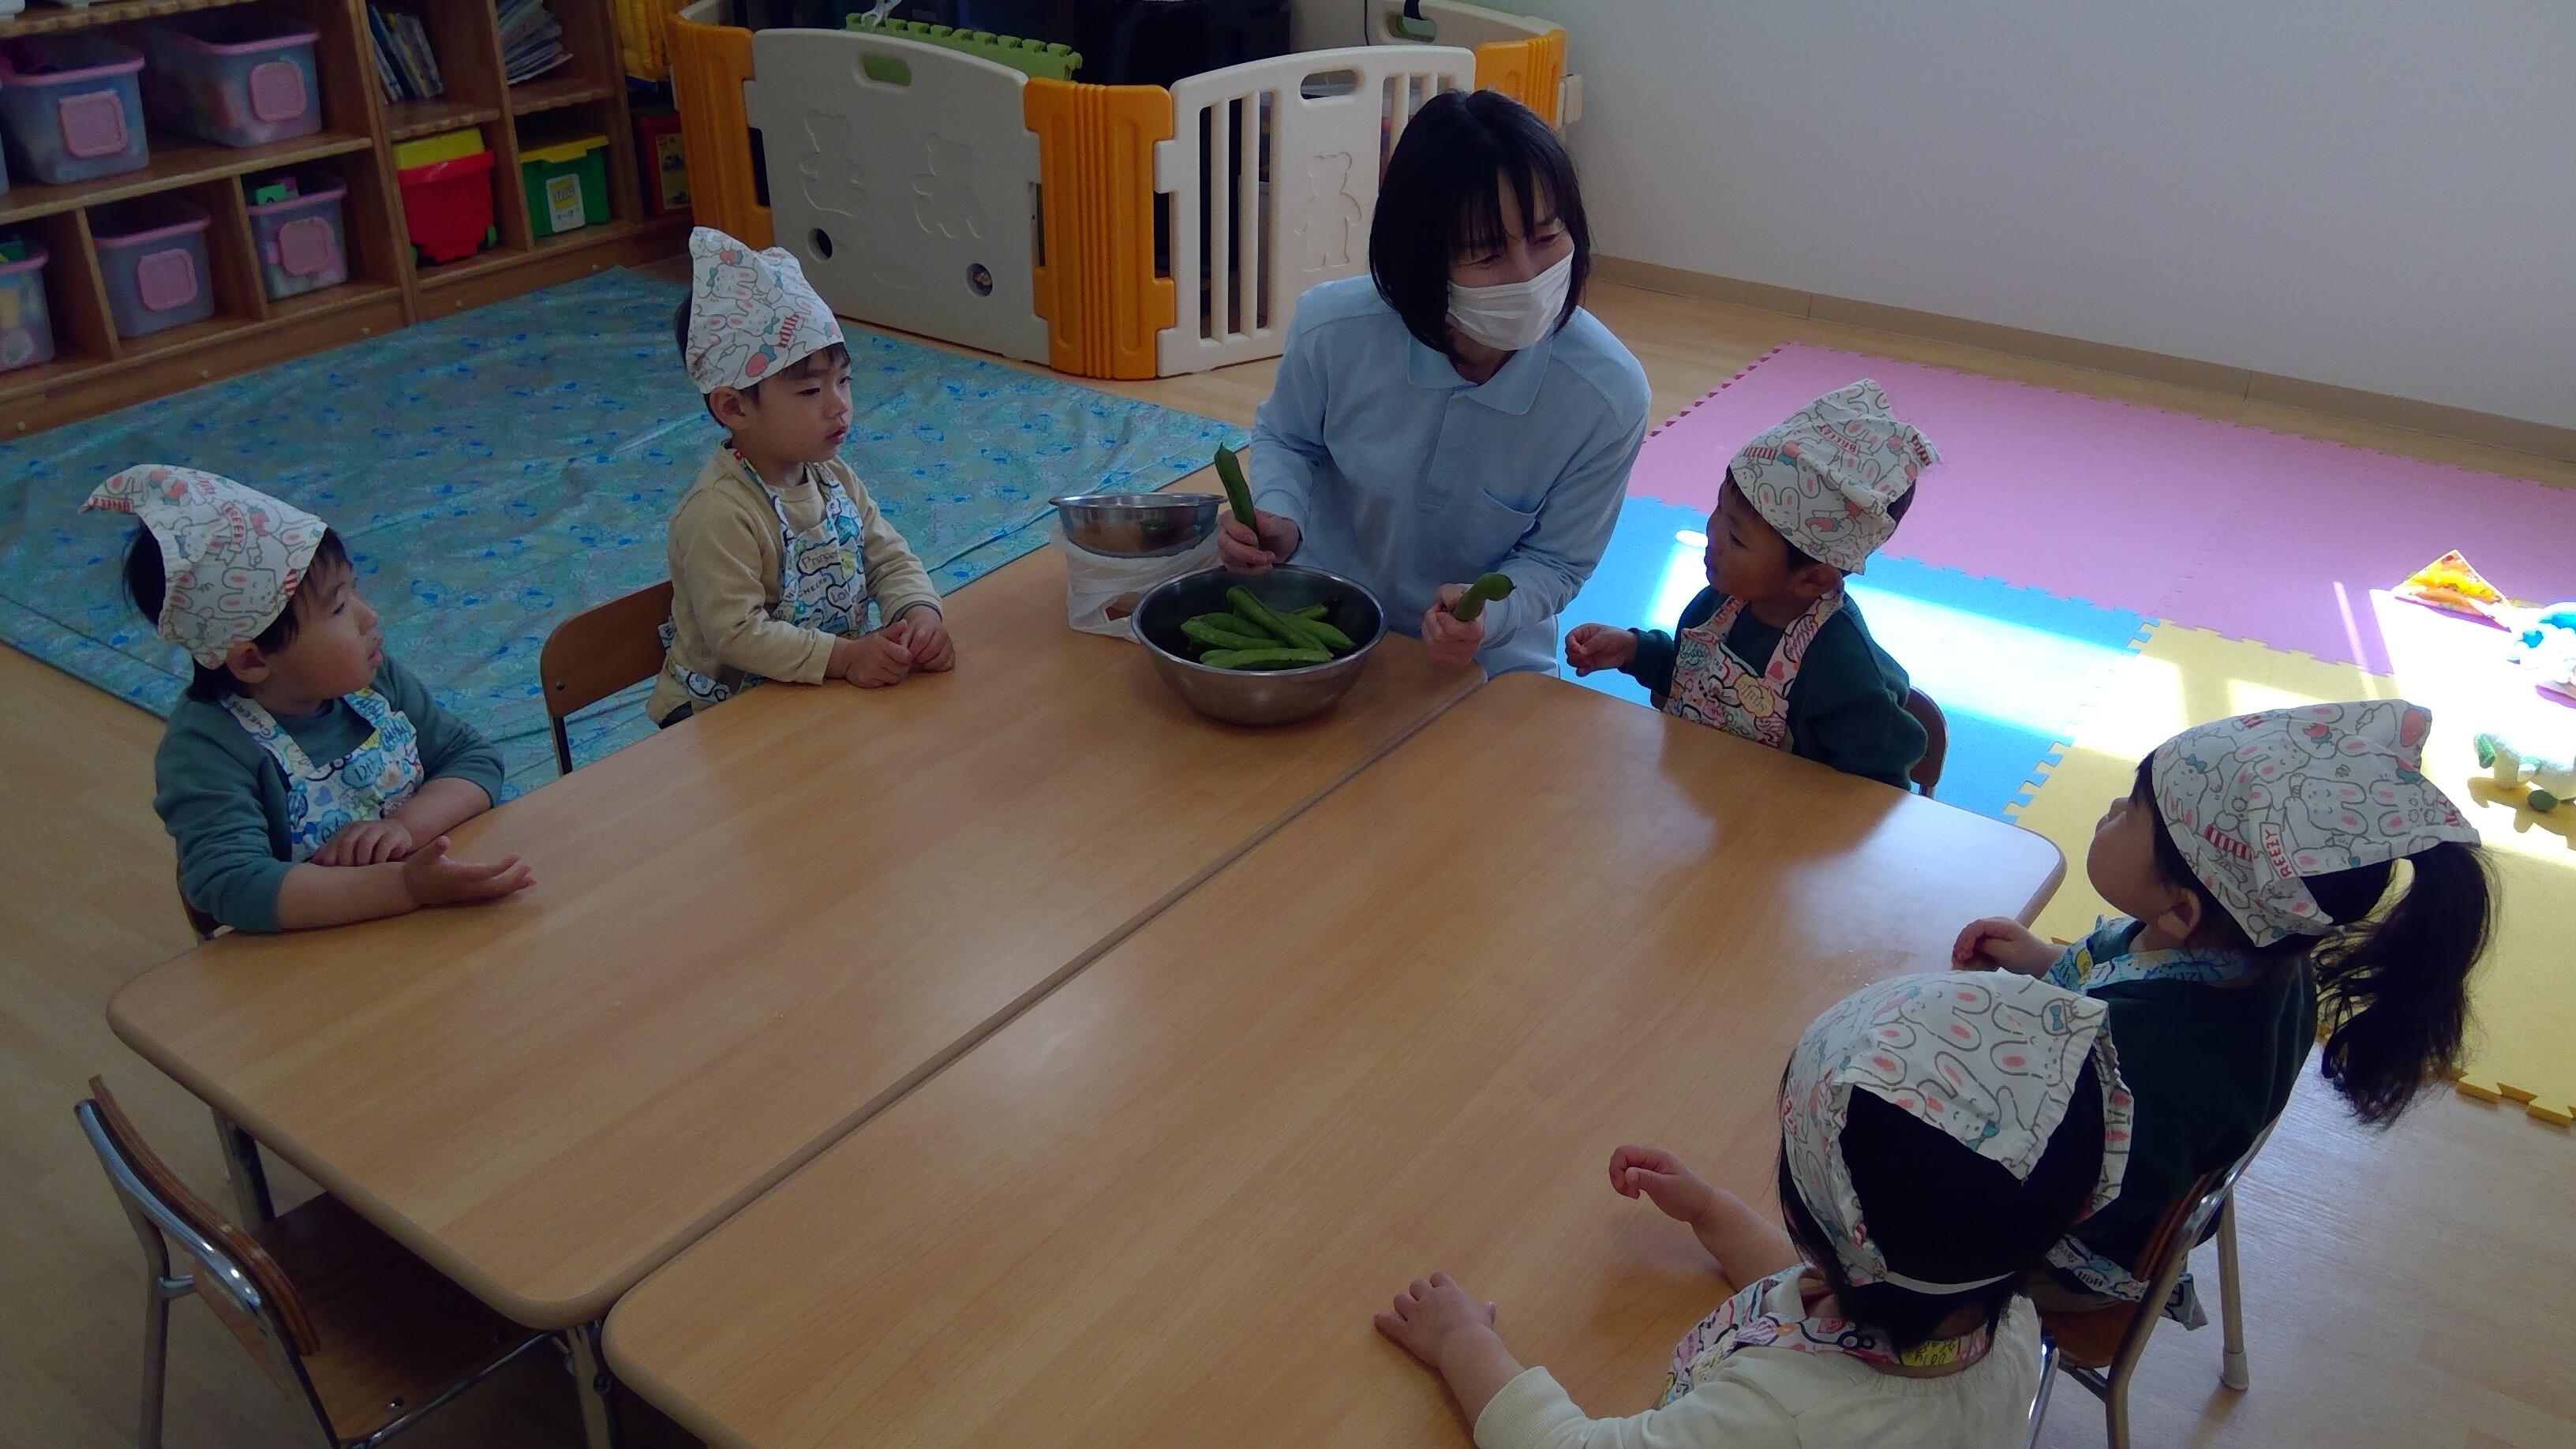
[(777, 551), (290, 669), (1774, 649), (2250, 861), (1919, 1181)]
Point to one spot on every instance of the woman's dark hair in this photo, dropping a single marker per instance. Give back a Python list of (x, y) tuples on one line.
[(2394, 992), (1443, 194), (1940, 1212), (145, 584)]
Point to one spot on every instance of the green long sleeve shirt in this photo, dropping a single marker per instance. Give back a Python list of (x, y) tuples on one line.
[(224, 800), (1847, 705), (2208, 1067)]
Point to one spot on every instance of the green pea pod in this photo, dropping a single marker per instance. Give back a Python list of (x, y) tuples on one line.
[(1229, 471), (1334, 639), (1210, 634), (1264, 658), (1471, 604), (1311, 611), (1297, 632)]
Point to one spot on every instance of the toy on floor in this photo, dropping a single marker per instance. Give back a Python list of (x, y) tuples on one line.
[(2450, 585), (2545, 646), (2552, 782)]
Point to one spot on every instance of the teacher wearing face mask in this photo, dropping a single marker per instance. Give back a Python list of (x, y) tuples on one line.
[(1456, 412)]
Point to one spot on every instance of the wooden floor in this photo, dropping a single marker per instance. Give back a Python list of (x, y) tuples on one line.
[(2403, 1289)]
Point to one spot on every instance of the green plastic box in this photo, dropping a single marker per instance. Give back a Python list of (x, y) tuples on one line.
[(567, 184)]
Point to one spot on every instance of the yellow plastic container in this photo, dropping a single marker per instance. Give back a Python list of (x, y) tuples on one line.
[(445, 146)]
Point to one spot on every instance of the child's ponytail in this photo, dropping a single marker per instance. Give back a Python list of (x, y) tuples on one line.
[(2394, 992)]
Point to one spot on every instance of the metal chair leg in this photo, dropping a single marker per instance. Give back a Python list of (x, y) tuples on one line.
[(242, 1169), (2115, 1412), (563, 745), (594, 1384), (2231, 1310), (2047, 1382), (156, 1352)]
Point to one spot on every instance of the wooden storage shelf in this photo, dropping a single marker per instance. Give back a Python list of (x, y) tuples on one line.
[(40, 18), (545, 95), (94, 370), (407, 119), (174, 163)]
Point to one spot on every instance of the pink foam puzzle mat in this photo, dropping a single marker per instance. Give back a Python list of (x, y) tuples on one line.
[(2264, 536)]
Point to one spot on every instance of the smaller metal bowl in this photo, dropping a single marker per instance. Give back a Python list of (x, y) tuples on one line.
[(1275, 697), (1138, 525)]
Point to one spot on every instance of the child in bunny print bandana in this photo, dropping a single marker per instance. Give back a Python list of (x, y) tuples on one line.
[(777, 553), (1774, 650), (1937, 1133), (308, 779), (2251, 861)]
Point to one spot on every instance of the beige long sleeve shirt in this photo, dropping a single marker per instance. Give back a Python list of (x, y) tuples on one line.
[(726, 558)]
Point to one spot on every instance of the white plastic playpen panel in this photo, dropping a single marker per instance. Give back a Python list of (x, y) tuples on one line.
[(1273, 171), (910, 201)]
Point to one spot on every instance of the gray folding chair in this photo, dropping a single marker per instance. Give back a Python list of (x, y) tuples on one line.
[(362, 1337), (2100, 1348)]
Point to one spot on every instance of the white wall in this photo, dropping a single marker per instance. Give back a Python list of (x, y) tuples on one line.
[(2364, 192)]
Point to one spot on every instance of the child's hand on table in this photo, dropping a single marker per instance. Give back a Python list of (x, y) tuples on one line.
[(1429, 1312), (871, 661), (365, 842), (2002, 944), (1600, 646), (1679, 1192), (924, 634), (1450, 639), (433, 879)]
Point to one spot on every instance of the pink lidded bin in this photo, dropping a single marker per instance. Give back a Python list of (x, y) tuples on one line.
[(236, 77), (300, 242), (152, 255), (70, 109), (26, 329)]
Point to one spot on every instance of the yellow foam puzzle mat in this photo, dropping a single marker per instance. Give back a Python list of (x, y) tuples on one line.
[(2523, 1041)]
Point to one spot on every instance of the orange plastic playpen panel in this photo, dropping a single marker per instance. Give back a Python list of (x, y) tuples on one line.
[(1530, 71), (709, 63), (1096, 288)]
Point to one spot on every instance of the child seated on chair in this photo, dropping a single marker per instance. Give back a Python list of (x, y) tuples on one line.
[(2249, 862), (1774, 649), (291, 671), (1918, 1180), (777, 551)]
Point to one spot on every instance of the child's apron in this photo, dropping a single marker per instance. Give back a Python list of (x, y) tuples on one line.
[(822, 584), (2078, 969), (1713, 687), (1741, 1323), (368, 783)]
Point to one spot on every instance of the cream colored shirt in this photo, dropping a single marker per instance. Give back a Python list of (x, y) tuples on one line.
[(1769, 1398), (725, 557)]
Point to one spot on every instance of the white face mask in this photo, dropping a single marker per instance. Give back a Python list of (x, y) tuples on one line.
[(1513, 315)]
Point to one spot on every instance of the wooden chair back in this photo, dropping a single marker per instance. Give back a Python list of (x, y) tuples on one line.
[(598, 652), (245, 1287), (1936, 735)]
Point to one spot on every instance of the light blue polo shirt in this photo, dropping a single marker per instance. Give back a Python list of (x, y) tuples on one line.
[(1403, 476)]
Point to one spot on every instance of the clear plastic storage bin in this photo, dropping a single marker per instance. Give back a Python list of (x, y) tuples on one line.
[(302, 246), (152, 255), (69, 108), (236, 77), (26, 328)]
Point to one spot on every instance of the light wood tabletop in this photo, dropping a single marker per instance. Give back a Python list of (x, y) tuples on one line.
[(1401, 1035), (747, 934)]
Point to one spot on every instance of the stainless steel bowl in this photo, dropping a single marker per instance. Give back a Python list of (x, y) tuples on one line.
[(1138, 525), (1247, 697)]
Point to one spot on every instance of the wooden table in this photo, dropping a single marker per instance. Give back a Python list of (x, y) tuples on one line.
[(747, 934), (1403, 1034)]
